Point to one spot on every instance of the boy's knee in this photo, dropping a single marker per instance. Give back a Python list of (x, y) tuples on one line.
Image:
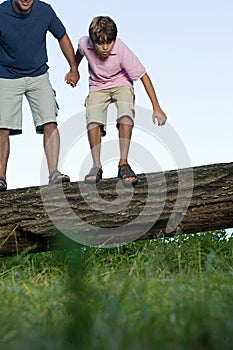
[(92, 125), (96, 128), (124, 121)]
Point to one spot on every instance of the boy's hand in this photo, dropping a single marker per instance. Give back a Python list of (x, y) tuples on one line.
[(72, 77), (159, 117)]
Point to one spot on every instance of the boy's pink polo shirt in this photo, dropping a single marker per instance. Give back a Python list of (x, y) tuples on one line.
[(120, 68)]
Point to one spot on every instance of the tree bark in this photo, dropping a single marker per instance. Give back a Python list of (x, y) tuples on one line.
[(168, 203)]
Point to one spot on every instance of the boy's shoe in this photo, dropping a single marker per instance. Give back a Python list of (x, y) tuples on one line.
[(124, 173)]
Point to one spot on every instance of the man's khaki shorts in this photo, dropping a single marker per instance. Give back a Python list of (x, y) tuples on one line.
[(40, 96), (97, 103)]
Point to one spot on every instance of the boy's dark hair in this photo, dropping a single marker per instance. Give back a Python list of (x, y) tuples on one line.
[(102, 30)]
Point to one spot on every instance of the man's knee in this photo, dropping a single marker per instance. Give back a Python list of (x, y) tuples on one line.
[(4, 133), (49, 127)]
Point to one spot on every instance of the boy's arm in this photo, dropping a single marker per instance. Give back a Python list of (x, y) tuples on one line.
[(78, 57), (158, 113), (72, 77)]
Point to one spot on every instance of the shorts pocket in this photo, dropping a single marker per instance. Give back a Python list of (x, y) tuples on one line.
[(56, 103)]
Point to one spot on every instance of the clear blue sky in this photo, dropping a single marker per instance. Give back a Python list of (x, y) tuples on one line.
[(187, 49)]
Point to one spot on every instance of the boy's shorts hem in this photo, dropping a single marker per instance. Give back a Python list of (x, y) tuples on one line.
[(100, 125), (95, 123), (125, 116)]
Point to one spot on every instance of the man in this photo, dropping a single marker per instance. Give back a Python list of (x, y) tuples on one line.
[(24, 71)]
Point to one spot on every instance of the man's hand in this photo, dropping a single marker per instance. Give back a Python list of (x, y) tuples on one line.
[(72, 77)]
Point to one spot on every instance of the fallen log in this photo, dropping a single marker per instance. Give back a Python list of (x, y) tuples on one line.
[(174, 202)]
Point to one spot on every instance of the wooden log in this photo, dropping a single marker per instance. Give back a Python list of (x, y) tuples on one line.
[(174, 202)]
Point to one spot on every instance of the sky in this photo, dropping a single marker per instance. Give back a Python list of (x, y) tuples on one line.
[(187, 49)]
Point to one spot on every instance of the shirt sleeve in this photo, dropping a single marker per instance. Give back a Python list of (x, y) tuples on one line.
[(130, 63), (82, 45), (56, 27)]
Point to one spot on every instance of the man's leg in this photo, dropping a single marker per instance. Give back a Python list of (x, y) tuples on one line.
[(51, 145), (4, 151), (11, 97), (52, 148)]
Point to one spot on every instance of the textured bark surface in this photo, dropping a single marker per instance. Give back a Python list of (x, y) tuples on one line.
[(174, 202)]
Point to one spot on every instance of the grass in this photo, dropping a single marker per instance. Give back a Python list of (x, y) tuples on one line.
[(159, 294)]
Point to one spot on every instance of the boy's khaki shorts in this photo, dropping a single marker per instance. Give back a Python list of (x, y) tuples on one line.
[(97, 103), (41, 98)]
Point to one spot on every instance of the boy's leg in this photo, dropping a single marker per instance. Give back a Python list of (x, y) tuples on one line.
[(125, 126), (96, 104), (125, 132), (124, 98), (94, 136)]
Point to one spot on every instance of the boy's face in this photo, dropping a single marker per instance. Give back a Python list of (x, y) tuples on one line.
[(103, 49)]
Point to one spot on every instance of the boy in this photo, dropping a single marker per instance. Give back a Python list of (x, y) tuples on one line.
[(112, 68)]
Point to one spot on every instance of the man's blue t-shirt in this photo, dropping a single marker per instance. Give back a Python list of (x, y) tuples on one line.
[(23, 39)]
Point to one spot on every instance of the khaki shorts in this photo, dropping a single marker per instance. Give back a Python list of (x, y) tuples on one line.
[(40, 96), (97, 103)]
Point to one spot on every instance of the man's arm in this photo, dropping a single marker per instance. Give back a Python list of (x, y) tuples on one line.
[(158, 113), (72, 77)]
